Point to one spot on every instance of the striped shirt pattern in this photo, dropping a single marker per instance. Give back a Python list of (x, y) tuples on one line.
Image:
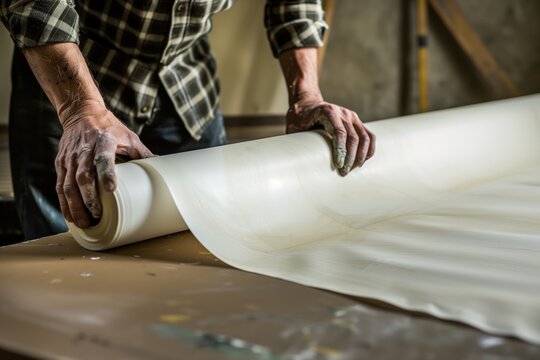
[(132, 47)]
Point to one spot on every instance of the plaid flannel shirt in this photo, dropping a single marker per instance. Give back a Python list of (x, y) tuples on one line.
[(134, 46)]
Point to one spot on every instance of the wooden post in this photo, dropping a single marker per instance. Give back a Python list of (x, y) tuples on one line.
[(460, 28), (422, 42)]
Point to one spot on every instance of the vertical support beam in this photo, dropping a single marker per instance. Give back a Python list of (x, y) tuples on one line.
[(405, 55), (422, 38), (484, 61)]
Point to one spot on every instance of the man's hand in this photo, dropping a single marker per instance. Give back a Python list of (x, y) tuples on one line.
[(353, 144), (91, 139), (92, 134)]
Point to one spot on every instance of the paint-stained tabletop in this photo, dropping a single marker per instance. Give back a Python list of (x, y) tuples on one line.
[(169, 298)]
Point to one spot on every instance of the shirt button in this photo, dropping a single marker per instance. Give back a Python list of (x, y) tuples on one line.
[(180, 8), (145, 109)]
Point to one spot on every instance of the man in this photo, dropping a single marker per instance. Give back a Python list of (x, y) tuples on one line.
[(155, 92)]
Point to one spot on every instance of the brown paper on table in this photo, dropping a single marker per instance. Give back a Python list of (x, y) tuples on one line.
[(445, 219)]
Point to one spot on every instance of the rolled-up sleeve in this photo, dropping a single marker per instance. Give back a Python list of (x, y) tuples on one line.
[(33, 23), (294, 24)]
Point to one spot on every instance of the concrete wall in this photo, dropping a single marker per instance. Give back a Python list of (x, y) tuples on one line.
[(251, 79), (363, 71)]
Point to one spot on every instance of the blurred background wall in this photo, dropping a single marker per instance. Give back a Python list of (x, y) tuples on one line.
[(251, 78), (363, 65)]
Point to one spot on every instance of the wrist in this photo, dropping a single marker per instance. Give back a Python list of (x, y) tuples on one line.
[(301, 75), (72, 111), (64, 76), (302, 93)]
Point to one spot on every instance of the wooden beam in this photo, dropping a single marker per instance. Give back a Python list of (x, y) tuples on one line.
[(422, 42), (467, 38)]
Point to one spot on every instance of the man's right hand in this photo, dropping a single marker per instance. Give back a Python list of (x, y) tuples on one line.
[(92, 137), (92, 134)]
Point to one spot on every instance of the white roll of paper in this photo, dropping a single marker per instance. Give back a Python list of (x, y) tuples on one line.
[(444, 219)]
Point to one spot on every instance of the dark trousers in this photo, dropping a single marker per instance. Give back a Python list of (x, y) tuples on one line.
[(34, 132)]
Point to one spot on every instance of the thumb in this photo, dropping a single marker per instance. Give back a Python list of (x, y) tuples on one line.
[(140, 151)]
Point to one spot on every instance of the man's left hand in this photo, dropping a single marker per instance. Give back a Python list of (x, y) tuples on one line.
[(353, 143)]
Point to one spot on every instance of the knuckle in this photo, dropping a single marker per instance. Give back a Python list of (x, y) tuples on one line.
[(84, 176), (104, 135), (353, 137), (365, 145), (59, 162), (69, 190), (326, 107), (363, 134), (103, 156), (340, 131), (86, 148), (59, 189), (365, 138), (71, 157), (105, 139)]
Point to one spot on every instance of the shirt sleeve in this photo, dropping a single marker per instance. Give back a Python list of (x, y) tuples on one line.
[(294, 24), (39, 22)]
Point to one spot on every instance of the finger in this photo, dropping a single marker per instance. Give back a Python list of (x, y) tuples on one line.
[(73, 196), (291, 127), (372, 139), (138, 150), (364, 144), (333, 124), (60, 176), (86, 181), (352, 147), (104, 155)]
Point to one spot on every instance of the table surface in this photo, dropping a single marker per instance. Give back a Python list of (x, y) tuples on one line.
[(168, 296)]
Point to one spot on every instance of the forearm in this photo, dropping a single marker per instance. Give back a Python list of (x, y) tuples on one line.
[(64, 76), (300, 70), (92, 134)]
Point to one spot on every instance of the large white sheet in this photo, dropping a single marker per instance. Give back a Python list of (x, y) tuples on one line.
[(445, 219)]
